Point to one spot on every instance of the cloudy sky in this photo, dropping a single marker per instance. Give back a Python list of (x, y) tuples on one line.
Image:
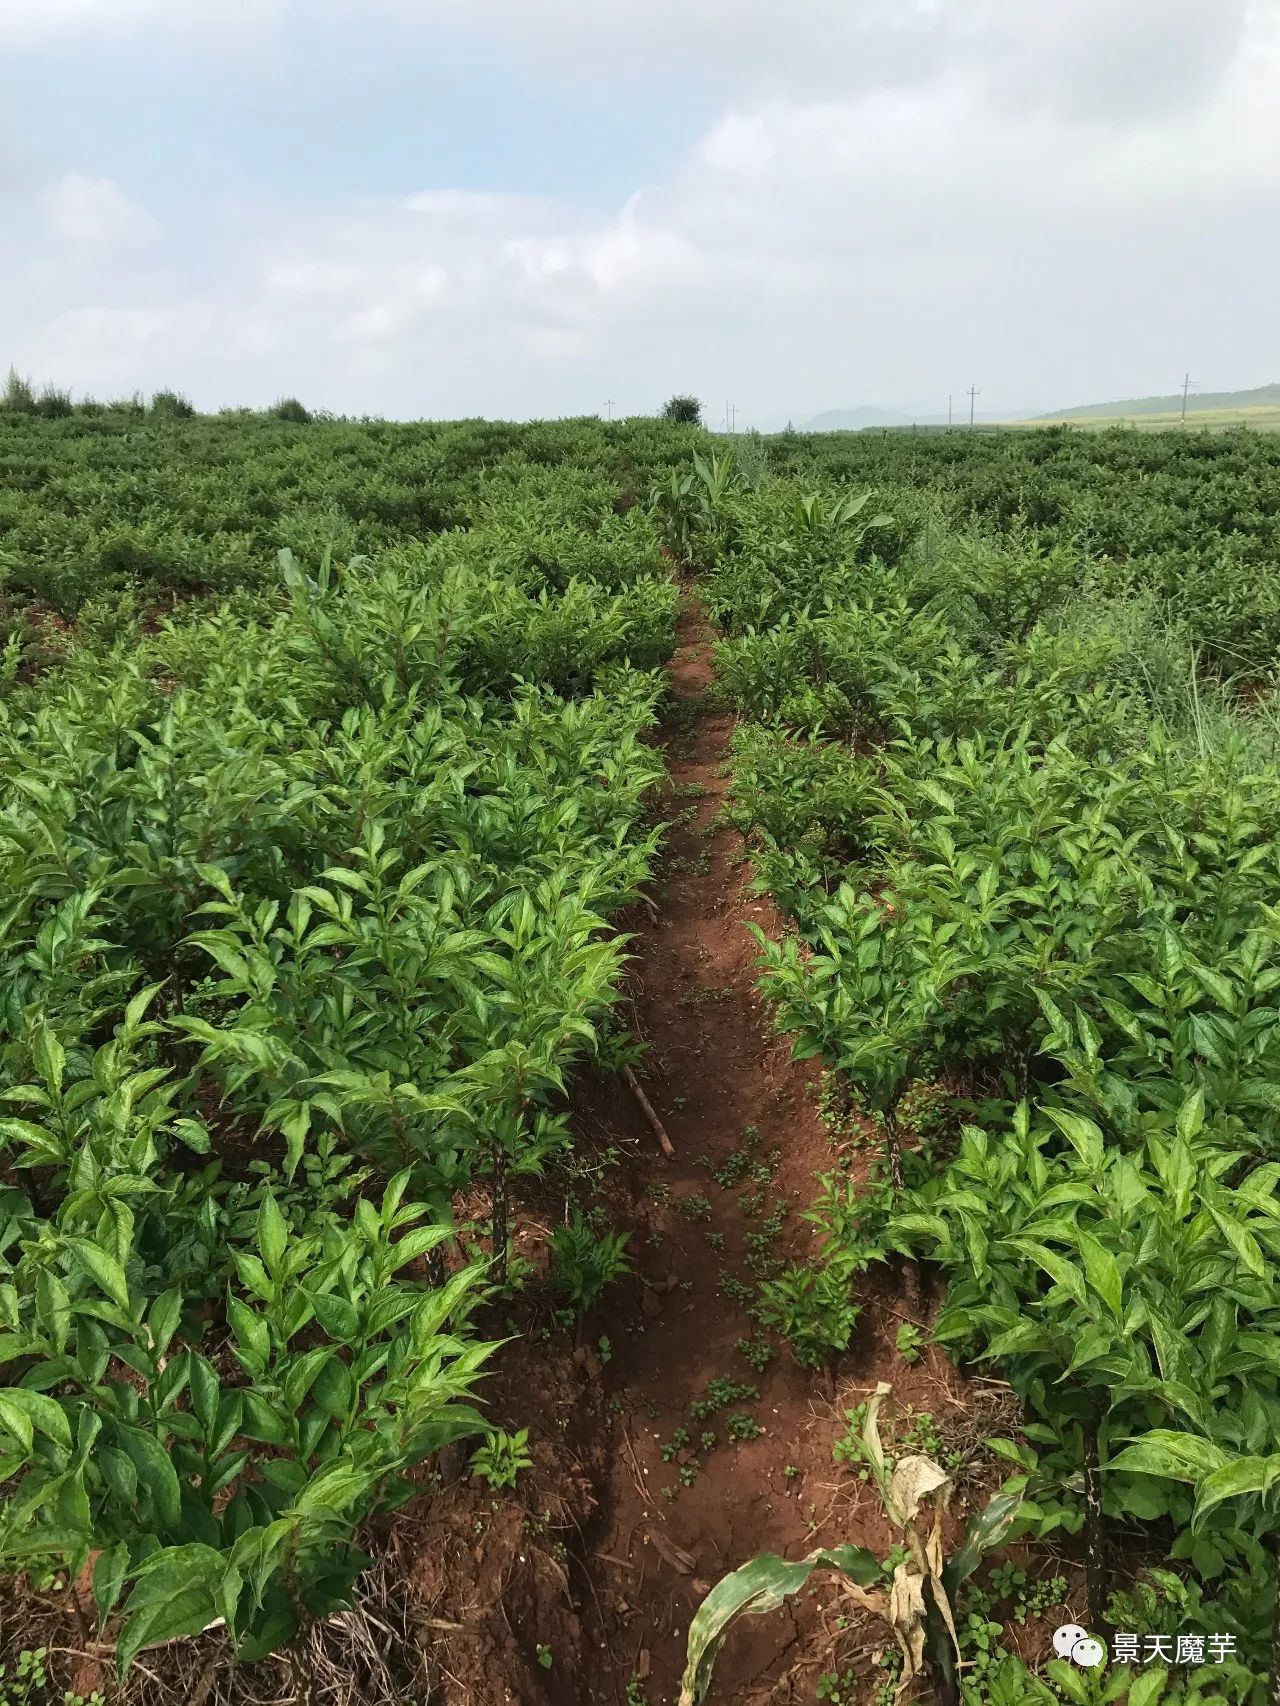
[(527, 207)]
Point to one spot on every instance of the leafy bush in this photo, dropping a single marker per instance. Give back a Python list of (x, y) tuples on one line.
[(19, 398), (584, 1260), (683, 411), (172, 406), (290, 409)]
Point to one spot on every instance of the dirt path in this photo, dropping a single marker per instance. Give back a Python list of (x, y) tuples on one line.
[(676, 1440), (680, 1510)]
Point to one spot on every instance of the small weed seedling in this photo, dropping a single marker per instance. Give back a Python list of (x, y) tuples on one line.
[(675, 1445), (758, 1352), (502, 1457), (838, 1689), (909, 1340), (720, 1394), (695, 1207)]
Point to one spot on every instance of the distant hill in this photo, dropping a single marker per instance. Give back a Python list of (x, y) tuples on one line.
[(1262, 397), (854, 420), (866, 417)]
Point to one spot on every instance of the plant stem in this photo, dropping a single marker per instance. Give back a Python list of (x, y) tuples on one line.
[(1095, 1543), (893, 1147), (1273, 1686), (499, 1154)]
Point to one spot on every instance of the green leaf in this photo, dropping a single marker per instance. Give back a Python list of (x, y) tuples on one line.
[(205, 1391), (53, 1308), (1207, 1560), (50, 1057), (17, 1423), (758, 1587), (1235, 1480), (1061, 1271), (984, 1530), (155, 1472), (1083, 1136), (1069, 1681), (1147, 1687), (42, 1413), (1191, 1116), (273, 1235), (178, 1596), (1173, 1456), (335, 1488), (1242, 1242), (340, 1319), (1101, 1271), (163, 1320), (109, 1573), (253, 1341), (45, 1146), (102, 1269)]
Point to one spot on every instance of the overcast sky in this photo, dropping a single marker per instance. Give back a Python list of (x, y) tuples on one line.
[(526, 207)]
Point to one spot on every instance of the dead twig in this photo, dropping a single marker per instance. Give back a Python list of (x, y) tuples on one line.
[(646, 1108), (674, 1555), (636, 1474)]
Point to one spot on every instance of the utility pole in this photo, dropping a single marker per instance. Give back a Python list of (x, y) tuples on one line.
[(1187, 383), (608, 403), (972, 393)]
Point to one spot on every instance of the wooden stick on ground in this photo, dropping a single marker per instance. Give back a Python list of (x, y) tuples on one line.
[(646, 1107)]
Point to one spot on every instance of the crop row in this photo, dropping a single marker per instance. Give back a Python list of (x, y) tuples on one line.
[(306, 918), (1029, 847)]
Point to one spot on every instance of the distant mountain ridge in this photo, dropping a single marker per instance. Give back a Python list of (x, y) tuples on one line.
[(853, 420), (867, 415), (1261, 397)]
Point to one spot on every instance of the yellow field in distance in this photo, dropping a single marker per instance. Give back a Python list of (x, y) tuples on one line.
[(1198, 420)]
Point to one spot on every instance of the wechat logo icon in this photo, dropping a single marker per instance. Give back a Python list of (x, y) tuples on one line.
[(1077, 1644)]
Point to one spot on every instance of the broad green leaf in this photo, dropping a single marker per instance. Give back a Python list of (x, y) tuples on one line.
[(754, 1589), (986, 1529), (1147, 1687), (1101, 1271), (273, 1235), (189, 1606), (102, 1269), (45, 1414), (1082, 1134), (1191, 1116), (1242, 1242), (1235, 1480), (156, 1473), (109, 1572), (1175, 1456), (50, 1057)]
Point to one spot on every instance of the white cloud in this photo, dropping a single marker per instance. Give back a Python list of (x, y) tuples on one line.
[(1001, 211), (97, 212)]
